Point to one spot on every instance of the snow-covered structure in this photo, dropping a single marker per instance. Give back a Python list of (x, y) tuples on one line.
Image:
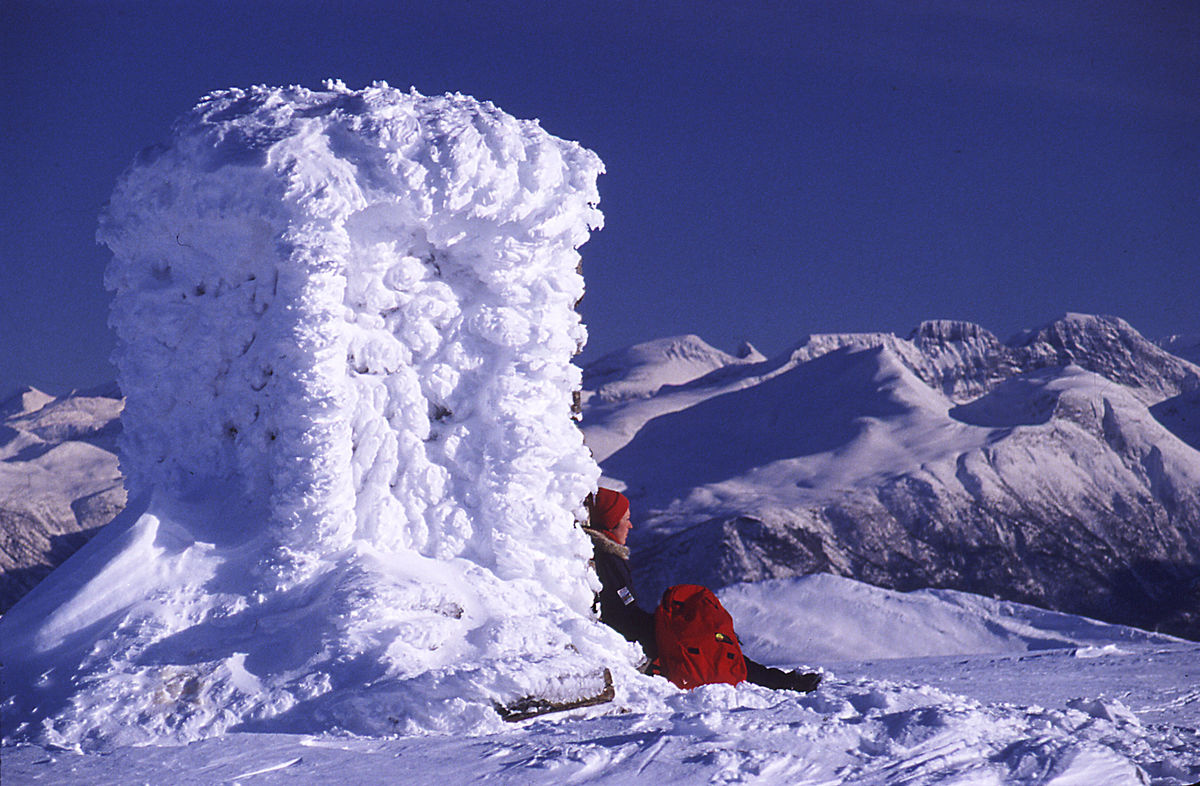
[(345, 325)]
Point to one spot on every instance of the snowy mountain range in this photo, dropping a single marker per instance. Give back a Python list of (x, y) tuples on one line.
[(1060, 468), (59, 481)]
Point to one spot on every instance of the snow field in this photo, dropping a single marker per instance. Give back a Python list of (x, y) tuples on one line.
[(854, 730), (1048, 698), (345, 325)]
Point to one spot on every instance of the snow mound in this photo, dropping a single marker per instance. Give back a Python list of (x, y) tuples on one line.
[(827, 619), (345, 324)]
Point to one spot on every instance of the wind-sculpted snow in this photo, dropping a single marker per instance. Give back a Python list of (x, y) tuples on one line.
[(319, 294), (1004, 694), (1072, 716), (1060, 469), (345, 325)]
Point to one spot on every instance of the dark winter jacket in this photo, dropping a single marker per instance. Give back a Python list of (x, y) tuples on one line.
[(618, 605)]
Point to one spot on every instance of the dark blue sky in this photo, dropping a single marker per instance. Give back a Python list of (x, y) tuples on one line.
[(774, 169)]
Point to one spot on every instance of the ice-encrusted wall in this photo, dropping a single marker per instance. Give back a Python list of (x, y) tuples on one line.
[(359, 305), (345, 321)]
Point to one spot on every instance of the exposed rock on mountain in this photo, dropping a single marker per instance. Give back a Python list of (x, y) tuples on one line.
[(59, 481), (1058, 469), (965, 361), (1111, 348)]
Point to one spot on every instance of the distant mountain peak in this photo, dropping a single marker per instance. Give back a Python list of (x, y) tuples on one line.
[(24, 402), (951, 330), (1072, 324), (1110, 347), (642, 369), (964, 360), (748, 352)]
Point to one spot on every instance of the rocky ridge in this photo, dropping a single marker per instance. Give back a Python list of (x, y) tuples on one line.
[(59, 481), (1060, 468)]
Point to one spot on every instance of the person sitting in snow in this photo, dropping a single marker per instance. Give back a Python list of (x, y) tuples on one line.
[(609, 524)]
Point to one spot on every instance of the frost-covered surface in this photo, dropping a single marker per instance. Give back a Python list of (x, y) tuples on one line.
[(59, 481), (1108, 705), (1060, 469), (342, 285), (346, 320)]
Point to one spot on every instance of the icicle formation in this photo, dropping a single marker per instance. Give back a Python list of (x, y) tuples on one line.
[(359, 307)]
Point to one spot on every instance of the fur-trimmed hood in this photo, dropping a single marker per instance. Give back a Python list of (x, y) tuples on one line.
[(604, 543)]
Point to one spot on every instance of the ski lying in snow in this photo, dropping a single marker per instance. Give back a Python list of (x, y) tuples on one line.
[(532, 706)]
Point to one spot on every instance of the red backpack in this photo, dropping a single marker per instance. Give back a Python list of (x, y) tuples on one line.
[(696, 642)]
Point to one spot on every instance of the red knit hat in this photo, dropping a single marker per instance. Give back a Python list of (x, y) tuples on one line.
[(608, 509)]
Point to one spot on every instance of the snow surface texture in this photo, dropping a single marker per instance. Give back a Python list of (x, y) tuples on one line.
[(345, 325), (1060, 469), (1104, 705)]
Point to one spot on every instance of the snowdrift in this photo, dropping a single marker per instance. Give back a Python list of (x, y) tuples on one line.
[(345, 325)]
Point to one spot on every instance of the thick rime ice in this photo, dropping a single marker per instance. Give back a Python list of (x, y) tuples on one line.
[(346, 320), (359, 307)]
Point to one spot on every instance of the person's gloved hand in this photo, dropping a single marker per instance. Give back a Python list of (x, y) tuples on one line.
[(802, 683), (777, 679)]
